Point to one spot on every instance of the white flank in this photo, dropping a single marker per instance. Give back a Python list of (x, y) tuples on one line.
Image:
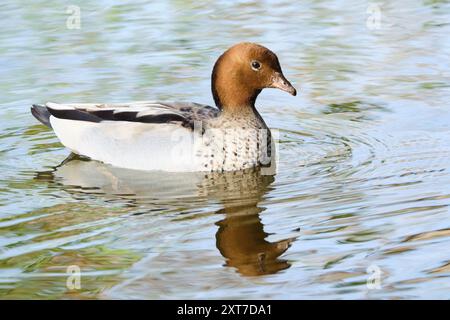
[(133, 145)]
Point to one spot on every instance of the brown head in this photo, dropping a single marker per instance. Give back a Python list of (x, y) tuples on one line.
[(242, 72)]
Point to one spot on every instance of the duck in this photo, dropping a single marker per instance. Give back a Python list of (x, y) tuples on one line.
[(180, 136)]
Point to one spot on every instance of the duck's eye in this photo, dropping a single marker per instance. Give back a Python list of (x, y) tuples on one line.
[(256, 65)]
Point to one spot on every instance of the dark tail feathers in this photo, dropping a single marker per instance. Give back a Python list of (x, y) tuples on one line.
[(41, 113)]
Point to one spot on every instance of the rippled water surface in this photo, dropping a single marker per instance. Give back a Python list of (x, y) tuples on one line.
[(363, 185)]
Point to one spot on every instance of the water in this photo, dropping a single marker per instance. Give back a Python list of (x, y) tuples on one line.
[(363, 182)]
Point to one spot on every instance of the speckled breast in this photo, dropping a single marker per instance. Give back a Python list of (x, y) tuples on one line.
[(236, 147)]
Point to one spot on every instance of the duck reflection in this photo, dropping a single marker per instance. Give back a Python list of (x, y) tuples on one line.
[(240, 238), (242, 241)]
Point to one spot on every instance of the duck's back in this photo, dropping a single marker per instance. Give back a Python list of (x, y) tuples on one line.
[(139, 135)]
